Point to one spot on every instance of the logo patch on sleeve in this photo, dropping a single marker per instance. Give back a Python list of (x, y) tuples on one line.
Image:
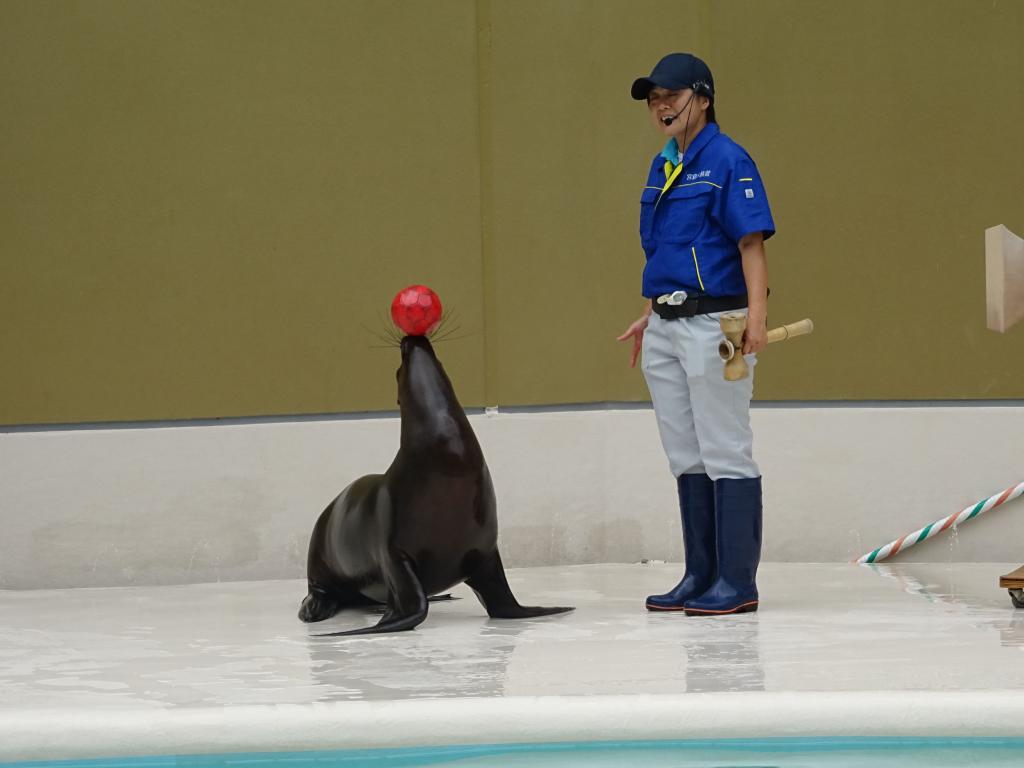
[(749, 193)]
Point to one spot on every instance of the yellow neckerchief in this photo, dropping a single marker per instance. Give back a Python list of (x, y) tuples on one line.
[(671, 174)]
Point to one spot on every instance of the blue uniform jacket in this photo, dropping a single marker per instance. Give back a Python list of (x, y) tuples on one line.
[(691, 218)]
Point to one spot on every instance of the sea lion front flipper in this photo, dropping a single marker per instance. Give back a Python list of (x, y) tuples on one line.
[(491, 587), (322, 603), (407, 603)]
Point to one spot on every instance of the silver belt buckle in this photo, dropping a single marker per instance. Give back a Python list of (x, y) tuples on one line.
[(673, 299)]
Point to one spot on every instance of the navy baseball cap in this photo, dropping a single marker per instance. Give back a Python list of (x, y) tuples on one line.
[(675, 72)]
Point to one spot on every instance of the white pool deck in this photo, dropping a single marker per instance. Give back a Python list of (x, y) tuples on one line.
[(836, 650)]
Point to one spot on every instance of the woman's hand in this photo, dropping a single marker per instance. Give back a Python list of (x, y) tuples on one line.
[(636, 332), (755, 337)]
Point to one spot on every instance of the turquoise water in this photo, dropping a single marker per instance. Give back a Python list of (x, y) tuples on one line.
[(761, 753)]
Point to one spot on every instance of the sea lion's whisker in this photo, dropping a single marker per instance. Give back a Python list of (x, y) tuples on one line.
[(387, 340), (455, 338)]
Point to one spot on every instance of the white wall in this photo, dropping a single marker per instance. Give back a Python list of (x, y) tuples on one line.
[(158, 505)]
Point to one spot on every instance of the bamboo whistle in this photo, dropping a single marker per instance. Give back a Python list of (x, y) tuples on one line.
[(733, 326)]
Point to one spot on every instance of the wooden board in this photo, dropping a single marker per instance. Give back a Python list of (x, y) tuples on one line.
[(1004, 278), (1013, 580)]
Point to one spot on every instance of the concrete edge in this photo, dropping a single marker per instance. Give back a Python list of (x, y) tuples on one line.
[(83, 734)]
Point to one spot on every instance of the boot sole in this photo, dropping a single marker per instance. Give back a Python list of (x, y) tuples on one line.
[(663, 610), (744, 608)]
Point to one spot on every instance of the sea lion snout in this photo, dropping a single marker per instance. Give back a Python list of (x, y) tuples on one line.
[(409, 343)]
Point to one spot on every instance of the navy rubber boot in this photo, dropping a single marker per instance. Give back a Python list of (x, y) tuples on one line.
[(738, 547), (697, 509)]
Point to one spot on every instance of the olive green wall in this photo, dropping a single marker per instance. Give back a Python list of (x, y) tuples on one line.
[(203, 203)]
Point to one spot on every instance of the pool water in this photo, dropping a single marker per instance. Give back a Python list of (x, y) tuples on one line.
[(760, 753)]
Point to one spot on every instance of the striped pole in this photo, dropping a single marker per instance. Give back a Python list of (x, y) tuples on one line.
[(910, 539)]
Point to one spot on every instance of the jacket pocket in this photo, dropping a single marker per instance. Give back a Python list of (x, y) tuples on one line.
[(648, 200), (686, 211)]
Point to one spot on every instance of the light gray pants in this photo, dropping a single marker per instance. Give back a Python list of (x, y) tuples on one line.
[(703, 419)]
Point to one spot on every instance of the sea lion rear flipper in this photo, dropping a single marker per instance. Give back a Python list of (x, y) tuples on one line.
[(491, 587), (407, 603)]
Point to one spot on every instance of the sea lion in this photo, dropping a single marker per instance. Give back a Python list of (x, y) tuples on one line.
[(428, 523)]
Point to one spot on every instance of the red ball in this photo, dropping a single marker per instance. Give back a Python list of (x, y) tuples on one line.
[(416, 310)]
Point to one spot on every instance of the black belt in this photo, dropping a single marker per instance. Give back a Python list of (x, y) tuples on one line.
[(698, 305)]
